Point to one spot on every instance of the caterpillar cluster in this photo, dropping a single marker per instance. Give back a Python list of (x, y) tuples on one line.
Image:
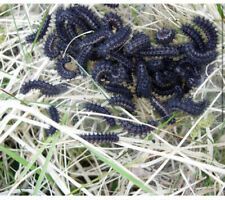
[(150, 64)]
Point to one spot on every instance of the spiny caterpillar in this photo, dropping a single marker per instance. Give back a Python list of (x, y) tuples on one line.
[(62, 71), (44, 87), (164, 36), (99, 109), (137, 129), (100, 137), (54, 114), (49, 49), (122, 102)]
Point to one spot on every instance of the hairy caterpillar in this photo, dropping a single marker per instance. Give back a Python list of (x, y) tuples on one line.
[(122, 102), (62, 71), (44, 87), (54, 114), (49, 49), (99, 109), (100, 137), (164, 36)]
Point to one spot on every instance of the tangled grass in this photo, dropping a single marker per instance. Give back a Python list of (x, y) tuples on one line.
[(186, 158)]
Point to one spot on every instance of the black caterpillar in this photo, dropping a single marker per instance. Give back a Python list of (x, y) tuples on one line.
[(44, 87), (122, 102), (164, 36), (138, 42), (95, 38), (102, 70), (194, 35), (209, 30), (163, 112), (83, 58), (100, 137), (115, 41), (86, 15), (31, 38), (137, 129), (62, 71), (111, 20), (99, 109), (155, 65), (121, 59), (49, 49), (144, 85), (199, 57), (54, 114), (187, 105), (118, 89), (110, 5), (166, 51)]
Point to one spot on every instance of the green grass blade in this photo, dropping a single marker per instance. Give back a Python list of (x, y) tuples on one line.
[(44, 168), (17, 31), (35, 157), (20, 160), (39, 30), (220, 10)]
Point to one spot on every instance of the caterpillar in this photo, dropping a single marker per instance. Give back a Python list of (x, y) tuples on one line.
[(195, 36), (137, 129), (112, 20), (99, 109), (144, 85), (122, 102), (159, 79), (110, 5), (115, 41), (169, 64), (95, 38), (163, 91), (155, 65), (138, 42), (72, 33), (30, 38), (44, 87), (87, 16), (49, 49), (119, 89), (62, 71), (164, 36), (54, 114), (60, 26), (62, 46), (160, 51), (118, 75), (187, 64), (100, 137), (209, 30), (161, 110), (199, 57), (187, 105), (83, 57), (102, 70), (121, 59), (72, 17)]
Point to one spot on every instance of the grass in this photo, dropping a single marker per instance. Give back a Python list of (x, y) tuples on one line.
[(185, 158)]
